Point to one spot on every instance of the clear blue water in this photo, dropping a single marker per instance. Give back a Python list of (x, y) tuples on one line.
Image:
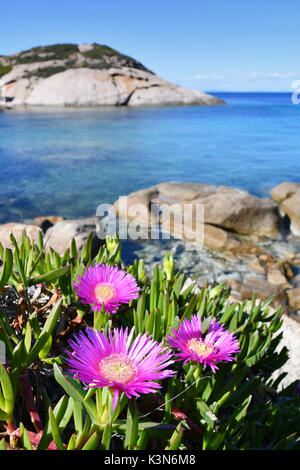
[(67, 161)]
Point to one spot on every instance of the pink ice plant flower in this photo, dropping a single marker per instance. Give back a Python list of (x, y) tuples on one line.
[(119, 362), (215, 346), (108, 285)]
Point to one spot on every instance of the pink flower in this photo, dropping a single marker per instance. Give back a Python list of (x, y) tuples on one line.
[(217, 345), (106, 285), (119, 362)]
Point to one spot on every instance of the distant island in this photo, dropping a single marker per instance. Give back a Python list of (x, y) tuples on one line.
[(87, 75)]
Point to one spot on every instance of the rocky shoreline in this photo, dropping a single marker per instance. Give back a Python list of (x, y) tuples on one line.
[(251, 244)]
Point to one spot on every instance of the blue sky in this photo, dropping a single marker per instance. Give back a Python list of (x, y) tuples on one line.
[(207, 45)]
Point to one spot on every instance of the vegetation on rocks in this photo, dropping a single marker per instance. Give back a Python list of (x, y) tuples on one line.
[(42, 406), (99, 50), (45, 72), (55, 51), (94, 75), (4, 69)]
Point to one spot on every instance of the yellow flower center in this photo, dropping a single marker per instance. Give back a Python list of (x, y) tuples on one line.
[(104, 292), (117, 368), (200, 347)]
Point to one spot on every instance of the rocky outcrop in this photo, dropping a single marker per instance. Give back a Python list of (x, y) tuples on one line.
[(227, 212), (60, 235), (17, 229), (288, 195), (291, 207), (88, 75), (284, 190), (58, 232)]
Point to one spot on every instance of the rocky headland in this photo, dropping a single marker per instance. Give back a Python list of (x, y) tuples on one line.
[(87, 75)]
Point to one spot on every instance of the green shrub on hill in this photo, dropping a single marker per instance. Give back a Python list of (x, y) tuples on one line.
[(54, 52), (99, 51), (46, 72), (4, 69)]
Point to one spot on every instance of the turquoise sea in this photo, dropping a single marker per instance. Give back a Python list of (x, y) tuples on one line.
[(67, 161)]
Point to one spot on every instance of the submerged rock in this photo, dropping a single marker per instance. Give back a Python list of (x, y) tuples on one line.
[(294, 298), (261, 288)]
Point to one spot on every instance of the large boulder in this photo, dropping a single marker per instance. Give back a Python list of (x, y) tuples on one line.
[(288, 196), (89, 87), (284, 190), (32, 231), (46, 222), (229, 209), (60, 235), (291, 207)]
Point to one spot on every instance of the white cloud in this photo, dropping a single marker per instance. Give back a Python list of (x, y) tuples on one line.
[(210, 77), (202, 77), (246, 76), (249, 76), (281, 74)]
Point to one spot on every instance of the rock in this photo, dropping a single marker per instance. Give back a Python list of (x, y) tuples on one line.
[(240, 212), (283, 266), (185, 192), (288, 195), (276, 277), (91, 75), (32, 231), (294, 298), (296, 281), (260, 287), (46, 222), (291, 207), (216, 238), (284, 191), (290, 330), (137, 206), (267, 258), (59, 236), (228, 209), (169, 94), (257, 266), (88, 87)]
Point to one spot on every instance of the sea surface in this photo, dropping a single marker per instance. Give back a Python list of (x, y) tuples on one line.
[(67, 161)]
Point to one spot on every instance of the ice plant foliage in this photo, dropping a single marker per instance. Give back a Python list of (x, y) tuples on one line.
[(108, 285), (119, 362), (217, 345), (218, 414)]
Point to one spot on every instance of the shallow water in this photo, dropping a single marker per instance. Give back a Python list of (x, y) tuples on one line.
[(67, 161)]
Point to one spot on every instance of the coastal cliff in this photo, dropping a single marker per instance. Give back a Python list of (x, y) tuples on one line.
[(87, 75)]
